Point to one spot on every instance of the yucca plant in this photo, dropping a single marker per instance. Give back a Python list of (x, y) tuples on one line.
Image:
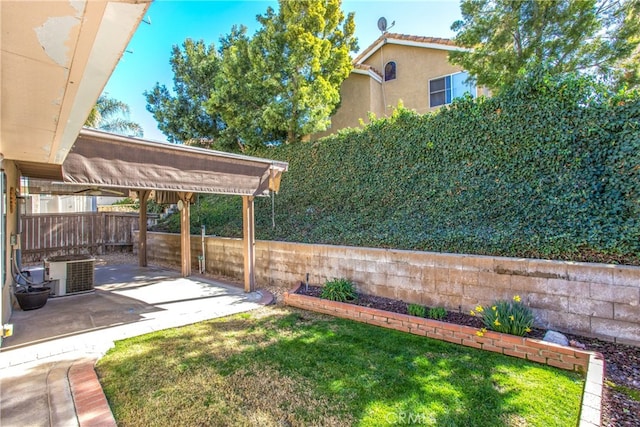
[(339, 290)]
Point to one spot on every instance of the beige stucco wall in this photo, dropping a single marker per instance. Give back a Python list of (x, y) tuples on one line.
[(376, 103), (415, 66), (13, 182), (600, 300), (355, 94)]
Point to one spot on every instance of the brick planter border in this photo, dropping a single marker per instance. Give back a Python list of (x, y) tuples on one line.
[(589, 363)]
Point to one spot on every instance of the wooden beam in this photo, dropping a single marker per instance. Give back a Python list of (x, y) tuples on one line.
[(185, 232), (249, 243), (143, 195)]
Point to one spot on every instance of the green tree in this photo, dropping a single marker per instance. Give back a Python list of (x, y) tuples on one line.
[(507, 37), (627, 72), (112, 115), (277, 86), (242, 92), (305, 49), (180, 114)]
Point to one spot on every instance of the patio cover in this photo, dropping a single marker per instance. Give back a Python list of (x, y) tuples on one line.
[(106, 160)]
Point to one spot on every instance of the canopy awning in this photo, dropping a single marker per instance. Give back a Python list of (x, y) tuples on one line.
[(112, 161), (99, 161)]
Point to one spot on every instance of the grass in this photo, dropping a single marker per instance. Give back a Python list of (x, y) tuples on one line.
[(282, 366)]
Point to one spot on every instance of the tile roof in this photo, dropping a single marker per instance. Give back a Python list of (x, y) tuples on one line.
[(367, 68), (404, 37)]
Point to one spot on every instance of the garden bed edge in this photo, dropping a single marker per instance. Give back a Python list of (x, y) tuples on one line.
[(590, 363)]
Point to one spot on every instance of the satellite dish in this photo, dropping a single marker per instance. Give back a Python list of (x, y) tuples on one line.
[(382, 24)]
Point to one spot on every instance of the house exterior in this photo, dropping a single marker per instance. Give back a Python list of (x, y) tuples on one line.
[(48, 204), (400, 68), (57, 56)]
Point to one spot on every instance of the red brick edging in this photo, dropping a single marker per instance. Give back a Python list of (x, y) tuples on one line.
[(91, 404), (266, 297), (525, 348), (588, 362)]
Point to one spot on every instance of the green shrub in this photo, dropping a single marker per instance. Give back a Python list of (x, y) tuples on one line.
[(152, 206), (509, 317), (546, 169), (220, 214), (437, 313), (339, 290), (416, 310)]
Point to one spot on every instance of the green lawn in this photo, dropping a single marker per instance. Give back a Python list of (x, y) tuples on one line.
[(282, 366)]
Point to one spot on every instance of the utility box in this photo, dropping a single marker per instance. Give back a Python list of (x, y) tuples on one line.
[(70, 274)]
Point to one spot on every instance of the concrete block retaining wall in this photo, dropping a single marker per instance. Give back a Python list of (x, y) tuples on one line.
[(599, 300)]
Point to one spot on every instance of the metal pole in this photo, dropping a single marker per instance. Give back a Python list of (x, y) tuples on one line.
[(203, 268)]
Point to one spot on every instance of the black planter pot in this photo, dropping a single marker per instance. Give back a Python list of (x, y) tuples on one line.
[(32, 297)]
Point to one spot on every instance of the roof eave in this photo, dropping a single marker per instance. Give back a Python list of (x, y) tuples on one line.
[(390, 40), (375, 76)]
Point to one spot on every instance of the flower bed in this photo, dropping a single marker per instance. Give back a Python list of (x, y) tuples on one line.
[(590, 363), (525, 348)]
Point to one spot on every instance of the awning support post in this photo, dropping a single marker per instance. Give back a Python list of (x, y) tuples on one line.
[(143, 195), (185, 232), (248, 243)]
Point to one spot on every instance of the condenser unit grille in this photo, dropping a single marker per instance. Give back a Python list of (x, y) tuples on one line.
[(69, 274), (79, 276)]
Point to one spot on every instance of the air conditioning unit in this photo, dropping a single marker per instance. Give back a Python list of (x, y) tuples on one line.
[(69, 275)]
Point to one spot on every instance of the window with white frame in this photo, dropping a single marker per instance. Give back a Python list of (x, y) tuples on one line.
[(445, 89)]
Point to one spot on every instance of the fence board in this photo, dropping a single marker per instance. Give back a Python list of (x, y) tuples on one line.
[(46, 235)]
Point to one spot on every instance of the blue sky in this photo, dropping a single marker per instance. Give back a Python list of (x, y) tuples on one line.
[(147, 58)]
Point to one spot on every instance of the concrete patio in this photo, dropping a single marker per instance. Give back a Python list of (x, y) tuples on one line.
[(37, 362)]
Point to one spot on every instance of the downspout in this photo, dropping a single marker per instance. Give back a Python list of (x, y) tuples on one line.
[(19, 277), (384, 77)]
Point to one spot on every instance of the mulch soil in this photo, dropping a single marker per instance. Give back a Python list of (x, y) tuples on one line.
[(622, 379)]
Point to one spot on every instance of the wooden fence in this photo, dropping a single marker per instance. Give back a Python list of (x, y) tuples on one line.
[(46, 235)]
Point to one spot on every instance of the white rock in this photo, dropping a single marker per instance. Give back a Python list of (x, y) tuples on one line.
[(556, 338)]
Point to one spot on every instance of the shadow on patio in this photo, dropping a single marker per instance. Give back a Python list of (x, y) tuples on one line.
[(128, 300)]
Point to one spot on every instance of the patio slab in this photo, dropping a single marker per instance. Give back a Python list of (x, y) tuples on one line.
[(144, 298), (37, 362)]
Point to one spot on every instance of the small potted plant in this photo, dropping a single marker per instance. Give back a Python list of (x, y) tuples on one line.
[(29, 296)]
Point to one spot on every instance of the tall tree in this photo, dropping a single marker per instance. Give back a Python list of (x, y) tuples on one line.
[(181, 114), (242, 92), (113, 116), (277, 86), (305, 49), (505, 37)]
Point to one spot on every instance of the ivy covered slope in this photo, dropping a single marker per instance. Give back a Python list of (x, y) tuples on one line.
[(549, 169)]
